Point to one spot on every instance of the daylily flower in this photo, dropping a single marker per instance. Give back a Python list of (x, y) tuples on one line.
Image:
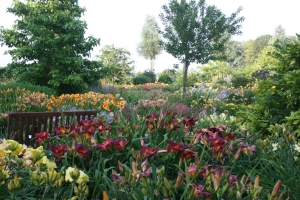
[(41, 137), (62, 130), (175, 147), (83, 178), (189, 122), (86, 123), (151, 121), (148, 152), (120, 144), (297, 148), (192, 171), (82, 151), (198, 190), (58, 151), (11, 146), (187, 153), (106, 144)]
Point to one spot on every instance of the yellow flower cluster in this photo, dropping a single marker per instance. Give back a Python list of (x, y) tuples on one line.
[(42, 171), (22, 100), (86, 101)]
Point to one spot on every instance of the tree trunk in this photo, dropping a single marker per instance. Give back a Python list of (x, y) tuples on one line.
[(151, 64), (185, 71)]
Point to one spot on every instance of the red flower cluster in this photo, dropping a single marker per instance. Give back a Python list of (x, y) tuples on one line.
[(119, 144), (148, 152), (41, 137)]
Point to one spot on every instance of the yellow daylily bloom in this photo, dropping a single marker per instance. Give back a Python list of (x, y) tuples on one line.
[(83, 177)]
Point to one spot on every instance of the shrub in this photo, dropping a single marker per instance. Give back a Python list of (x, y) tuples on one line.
[(151, 75), (28, 86), (140, 79), (165, 79), (239, 80)]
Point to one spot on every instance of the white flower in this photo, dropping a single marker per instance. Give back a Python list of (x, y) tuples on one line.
[(275, 146), (297, 148)]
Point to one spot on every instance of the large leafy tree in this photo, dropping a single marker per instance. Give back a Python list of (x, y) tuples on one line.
[(253, 48), (48, 46), (197, 33), (118, 66), (150, 46)]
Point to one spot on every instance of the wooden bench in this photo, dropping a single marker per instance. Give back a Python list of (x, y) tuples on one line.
[(23, 126)]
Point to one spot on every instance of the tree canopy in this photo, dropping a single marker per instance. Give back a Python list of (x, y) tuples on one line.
[(150, 45), (48, 46), (118, 66), (195, 32)]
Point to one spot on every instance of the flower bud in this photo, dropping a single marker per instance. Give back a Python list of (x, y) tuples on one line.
[(276, 189), (75, 174)]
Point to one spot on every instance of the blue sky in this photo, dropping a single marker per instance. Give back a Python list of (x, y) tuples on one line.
[(120, 22)]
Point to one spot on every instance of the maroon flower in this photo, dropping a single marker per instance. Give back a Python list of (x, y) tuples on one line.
[(189, 122), (151, 121), (62, 130), (41, 137), (120, 144), (198, 191), (148, 152), (86, 123), (59, 150), (187, 153), (82, 151), (106, 144), (175, 147)]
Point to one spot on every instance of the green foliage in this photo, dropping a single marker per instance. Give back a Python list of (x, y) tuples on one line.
[(140, 79), (277, 97), (28, 86), (192, 78), (48, 45), (253, 48), (165, 79), (118, 66), (240, 80), (151, 75), (195, 32), (151, 44)]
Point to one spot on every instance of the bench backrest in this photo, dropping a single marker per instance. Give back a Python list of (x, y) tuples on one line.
[(23, 126)]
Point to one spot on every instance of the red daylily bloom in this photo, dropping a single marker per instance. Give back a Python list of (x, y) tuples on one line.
[(148, 152), (192, 171), (89, 131), (105, 144), (151, 121), (82, 151), (188, 153), (59, 150), (120, 144), (198, 190), (175, 147), (189, 122), (41, 137), (62, 130), (86, 123)]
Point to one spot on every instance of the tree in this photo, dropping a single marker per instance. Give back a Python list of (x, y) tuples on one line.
[(48, 46), (118, 66), (150, 46), (195, 32), (253, 48)]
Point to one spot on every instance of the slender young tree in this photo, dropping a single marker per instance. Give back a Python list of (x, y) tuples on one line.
[(197, 33), (48, 46), (150, 46)]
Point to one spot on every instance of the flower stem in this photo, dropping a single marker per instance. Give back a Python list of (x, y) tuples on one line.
[(72, 189), (45, 192)]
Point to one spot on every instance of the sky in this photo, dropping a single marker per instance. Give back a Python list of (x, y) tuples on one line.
[(120, 22)]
